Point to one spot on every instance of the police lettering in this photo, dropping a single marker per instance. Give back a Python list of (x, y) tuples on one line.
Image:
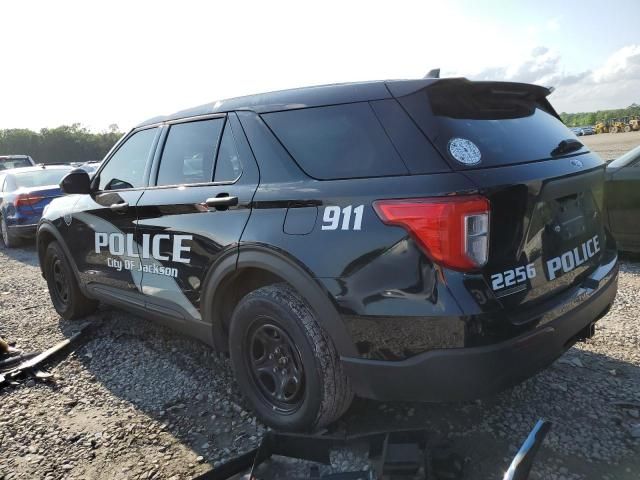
[(121, 244), (573, 258)]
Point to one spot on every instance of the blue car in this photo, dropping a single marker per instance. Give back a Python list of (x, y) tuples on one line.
[(24, 192)]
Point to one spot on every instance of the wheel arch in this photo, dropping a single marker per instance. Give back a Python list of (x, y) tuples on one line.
[(46, 234), (256, 266)]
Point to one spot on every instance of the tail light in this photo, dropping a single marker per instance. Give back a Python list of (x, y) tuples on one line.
[(25, 199), (453, 231)]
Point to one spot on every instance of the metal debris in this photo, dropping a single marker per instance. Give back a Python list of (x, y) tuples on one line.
[(30, 362), (397, 455)]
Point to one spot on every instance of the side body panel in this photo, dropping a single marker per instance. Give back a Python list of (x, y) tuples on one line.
[(623, 206)]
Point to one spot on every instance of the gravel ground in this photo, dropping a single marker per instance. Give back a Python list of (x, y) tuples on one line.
[(611, 145), (137, 401)]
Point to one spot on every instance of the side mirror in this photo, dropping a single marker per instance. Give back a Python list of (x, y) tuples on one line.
[(77, 181)]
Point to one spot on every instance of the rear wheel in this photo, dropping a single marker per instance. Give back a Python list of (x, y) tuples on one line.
[(67, 299), (9, 239), (286, 365)]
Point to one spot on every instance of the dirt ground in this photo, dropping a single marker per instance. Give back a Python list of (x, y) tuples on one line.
[(137, 401), (611, 145)]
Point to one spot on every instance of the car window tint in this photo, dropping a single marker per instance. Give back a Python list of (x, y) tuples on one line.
[(340, 141), (125, 169), (228, 167), (189, 152)]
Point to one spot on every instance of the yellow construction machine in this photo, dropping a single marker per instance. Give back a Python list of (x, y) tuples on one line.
[(602, 126)]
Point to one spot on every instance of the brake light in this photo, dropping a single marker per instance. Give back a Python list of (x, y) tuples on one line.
[(25, 199), (453, 231)]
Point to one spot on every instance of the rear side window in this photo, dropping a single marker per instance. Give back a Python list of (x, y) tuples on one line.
[(342, 141), (228, 167), (126, 167), (189, 152)]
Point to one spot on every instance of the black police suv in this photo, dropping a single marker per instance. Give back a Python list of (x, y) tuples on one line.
[(434, 239)]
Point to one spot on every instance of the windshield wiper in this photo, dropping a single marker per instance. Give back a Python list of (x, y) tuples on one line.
[(566, 146)]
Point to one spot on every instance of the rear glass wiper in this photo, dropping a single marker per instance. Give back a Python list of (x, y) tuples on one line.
[(566, 146)]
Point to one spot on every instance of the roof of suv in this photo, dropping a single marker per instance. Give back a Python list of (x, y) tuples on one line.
[(301, 97)]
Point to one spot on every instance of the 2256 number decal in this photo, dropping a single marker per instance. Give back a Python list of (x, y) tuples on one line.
[(513, 277)]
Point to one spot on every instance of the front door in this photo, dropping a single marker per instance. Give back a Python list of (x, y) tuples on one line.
[(101, 227), (195, 209)]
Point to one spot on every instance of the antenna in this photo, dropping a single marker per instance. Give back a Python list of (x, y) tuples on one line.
[(433, 73)]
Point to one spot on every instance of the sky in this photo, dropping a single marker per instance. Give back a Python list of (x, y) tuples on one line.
[(119, 62)]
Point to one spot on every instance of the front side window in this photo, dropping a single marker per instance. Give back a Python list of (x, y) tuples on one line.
[(125, 169), (189, 152)]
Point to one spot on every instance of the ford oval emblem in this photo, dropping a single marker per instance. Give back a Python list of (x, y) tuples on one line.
[(576, 163)]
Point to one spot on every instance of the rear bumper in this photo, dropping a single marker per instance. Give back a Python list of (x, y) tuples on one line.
[(468, 373)]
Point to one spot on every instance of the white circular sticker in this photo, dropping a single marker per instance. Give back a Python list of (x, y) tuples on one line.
[(464, 151)]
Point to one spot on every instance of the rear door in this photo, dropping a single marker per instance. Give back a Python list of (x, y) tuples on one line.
[(544, 186), (100, 233), (194, 211)]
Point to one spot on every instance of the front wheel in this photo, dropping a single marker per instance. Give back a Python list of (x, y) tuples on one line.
[(286, 365), (66, 296)]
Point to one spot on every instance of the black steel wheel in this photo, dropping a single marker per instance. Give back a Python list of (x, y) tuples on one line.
[(275, 364), (60, 282), (286, 365), (66, 296)]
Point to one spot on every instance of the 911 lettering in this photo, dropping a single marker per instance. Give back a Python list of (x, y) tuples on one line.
[(120, 244), (572, 259), (332, 214)]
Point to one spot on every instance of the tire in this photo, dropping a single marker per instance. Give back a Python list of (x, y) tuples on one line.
[(67, 299), (322, 392), (9, 239)]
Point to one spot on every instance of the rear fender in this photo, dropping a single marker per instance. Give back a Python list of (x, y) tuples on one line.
[(288, 269)]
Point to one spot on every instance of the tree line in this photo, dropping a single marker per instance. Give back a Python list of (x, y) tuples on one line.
[(591, 118), (67, 143)]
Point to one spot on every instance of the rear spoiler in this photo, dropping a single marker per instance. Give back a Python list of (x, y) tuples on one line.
[(510, 89)]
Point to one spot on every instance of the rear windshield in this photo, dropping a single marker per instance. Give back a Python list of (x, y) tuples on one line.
[(339, 141), (509, 123), (8, 163), (39, 178)]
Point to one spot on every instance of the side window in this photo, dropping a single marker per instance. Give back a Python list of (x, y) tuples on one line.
[(340, 141), (189, 152), (228, 167), (125, 169)]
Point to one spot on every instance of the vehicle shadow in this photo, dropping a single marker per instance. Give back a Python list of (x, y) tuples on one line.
[(189, 391), (25, 253)]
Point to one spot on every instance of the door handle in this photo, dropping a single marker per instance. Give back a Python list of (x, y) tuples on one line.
[(217, 202), (119, 207)]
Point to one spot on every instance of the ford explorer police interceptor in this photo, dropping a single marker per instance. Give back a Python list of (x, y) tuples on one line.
[(430, 240)]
